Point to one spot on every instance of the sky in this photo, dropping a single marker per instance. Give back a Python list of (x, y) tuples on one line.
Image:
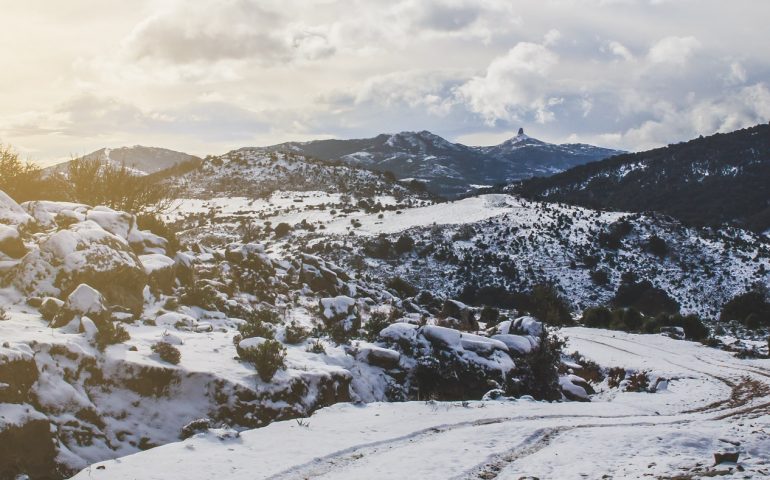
[(209, 76)]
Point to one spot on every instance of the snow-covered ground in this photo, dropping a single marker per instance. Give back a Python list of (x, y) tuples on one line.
[(713, 403)]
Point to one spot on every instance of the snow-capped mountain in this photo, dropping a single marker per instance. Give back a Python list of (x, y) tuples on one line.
[(144, 160), (447, 168), (724, 178)]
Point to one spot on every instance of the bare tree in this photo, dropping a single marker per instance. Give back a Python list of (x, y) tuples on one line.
[(95, 181), (20, 180)]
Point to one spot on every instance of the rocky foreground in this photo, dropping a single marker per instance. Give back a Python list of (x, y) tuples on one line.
[(116, 340)]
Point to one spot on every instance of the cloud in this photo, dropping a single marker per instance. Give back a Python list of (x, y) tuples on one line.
[(673, 50), (216, 74), (512, 86), (210, 31), (620, 50)]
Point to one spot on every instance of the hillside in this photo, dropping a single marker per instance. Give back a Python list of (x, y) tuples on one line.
[(450, 169), (724, 178), (256, 174)]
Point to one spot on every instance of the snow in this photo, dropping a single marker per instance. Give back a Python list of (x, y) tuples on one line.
[(334, 307), (620, 434), (155, 261), (85, 300)]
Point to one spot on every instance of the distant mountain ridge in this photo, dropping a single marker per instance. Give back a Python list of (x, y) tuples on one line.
[(447, 168), (144, 160), (723, 178)]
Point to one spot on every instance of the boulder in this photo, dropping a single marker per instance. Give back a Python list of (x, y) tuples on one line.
[(50, 308), (185, 270), (10, 242), (83, 301), (55, 214), (340, 316), (83, 253), (176, 320), (575, 388), (11, 212), (161, 272), (378, 356), (465, 315), (518, 345), (18, 372)]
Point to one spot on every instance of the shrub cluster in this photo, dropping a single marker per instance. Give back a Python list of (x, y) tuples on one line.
[(268, 357), (167, 352), (631, 320)]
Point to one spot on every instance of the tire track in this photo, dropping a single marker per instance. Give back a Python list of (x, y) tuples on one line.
[(742, 393)]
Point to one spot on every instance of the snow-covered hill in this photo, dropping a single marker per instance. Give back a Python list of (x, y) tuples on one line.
[(503, 241), (256, 174), (451, 169)]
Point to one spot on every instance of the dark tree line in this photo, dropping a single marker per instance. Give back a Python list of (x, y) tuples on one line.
[(724, 178)]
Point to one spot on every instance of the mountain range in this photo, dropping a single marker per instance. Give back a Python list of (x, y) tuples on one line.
[(451, 169)]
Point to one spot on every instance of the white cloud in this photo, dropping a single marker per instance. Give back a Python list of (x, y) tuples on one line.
[(513, 85), (673, 50), (620, 50)]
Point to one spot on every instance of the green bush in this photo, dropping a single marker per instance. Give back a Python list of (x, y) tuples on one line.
[(751, 308), (402, 287), (547, 305), (295, 333), (109, 333), (167, 352), (259, 323), (268, 357), (404, 244), (490, 316), (597, 317), (377, 322)]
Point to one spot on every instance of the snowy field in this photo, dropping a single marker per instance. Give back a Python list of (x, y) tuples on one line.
[(713, 403)]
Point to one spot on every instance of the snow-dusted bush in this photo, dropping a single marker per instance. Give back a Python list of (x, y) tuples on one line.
[(295, 333), (167, 352), (110, 333), (267, 356), (259, 323), (376, 323)]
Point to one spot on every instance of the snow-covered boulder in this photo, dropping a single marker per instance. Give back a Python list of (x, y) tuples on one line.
[(442, 335), (176, 320), (517, 344), (11, 212), (11, 244), (83, 253), (117, 223), (146, 242), (337, 307), (160, 270), (378, 356), (55, 214), (521, 326), (340, 315), (575, 388), (481, 345), (86, 300), (399, 332), (50, 307), (463, 315), (83, 301), (89, 328)]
